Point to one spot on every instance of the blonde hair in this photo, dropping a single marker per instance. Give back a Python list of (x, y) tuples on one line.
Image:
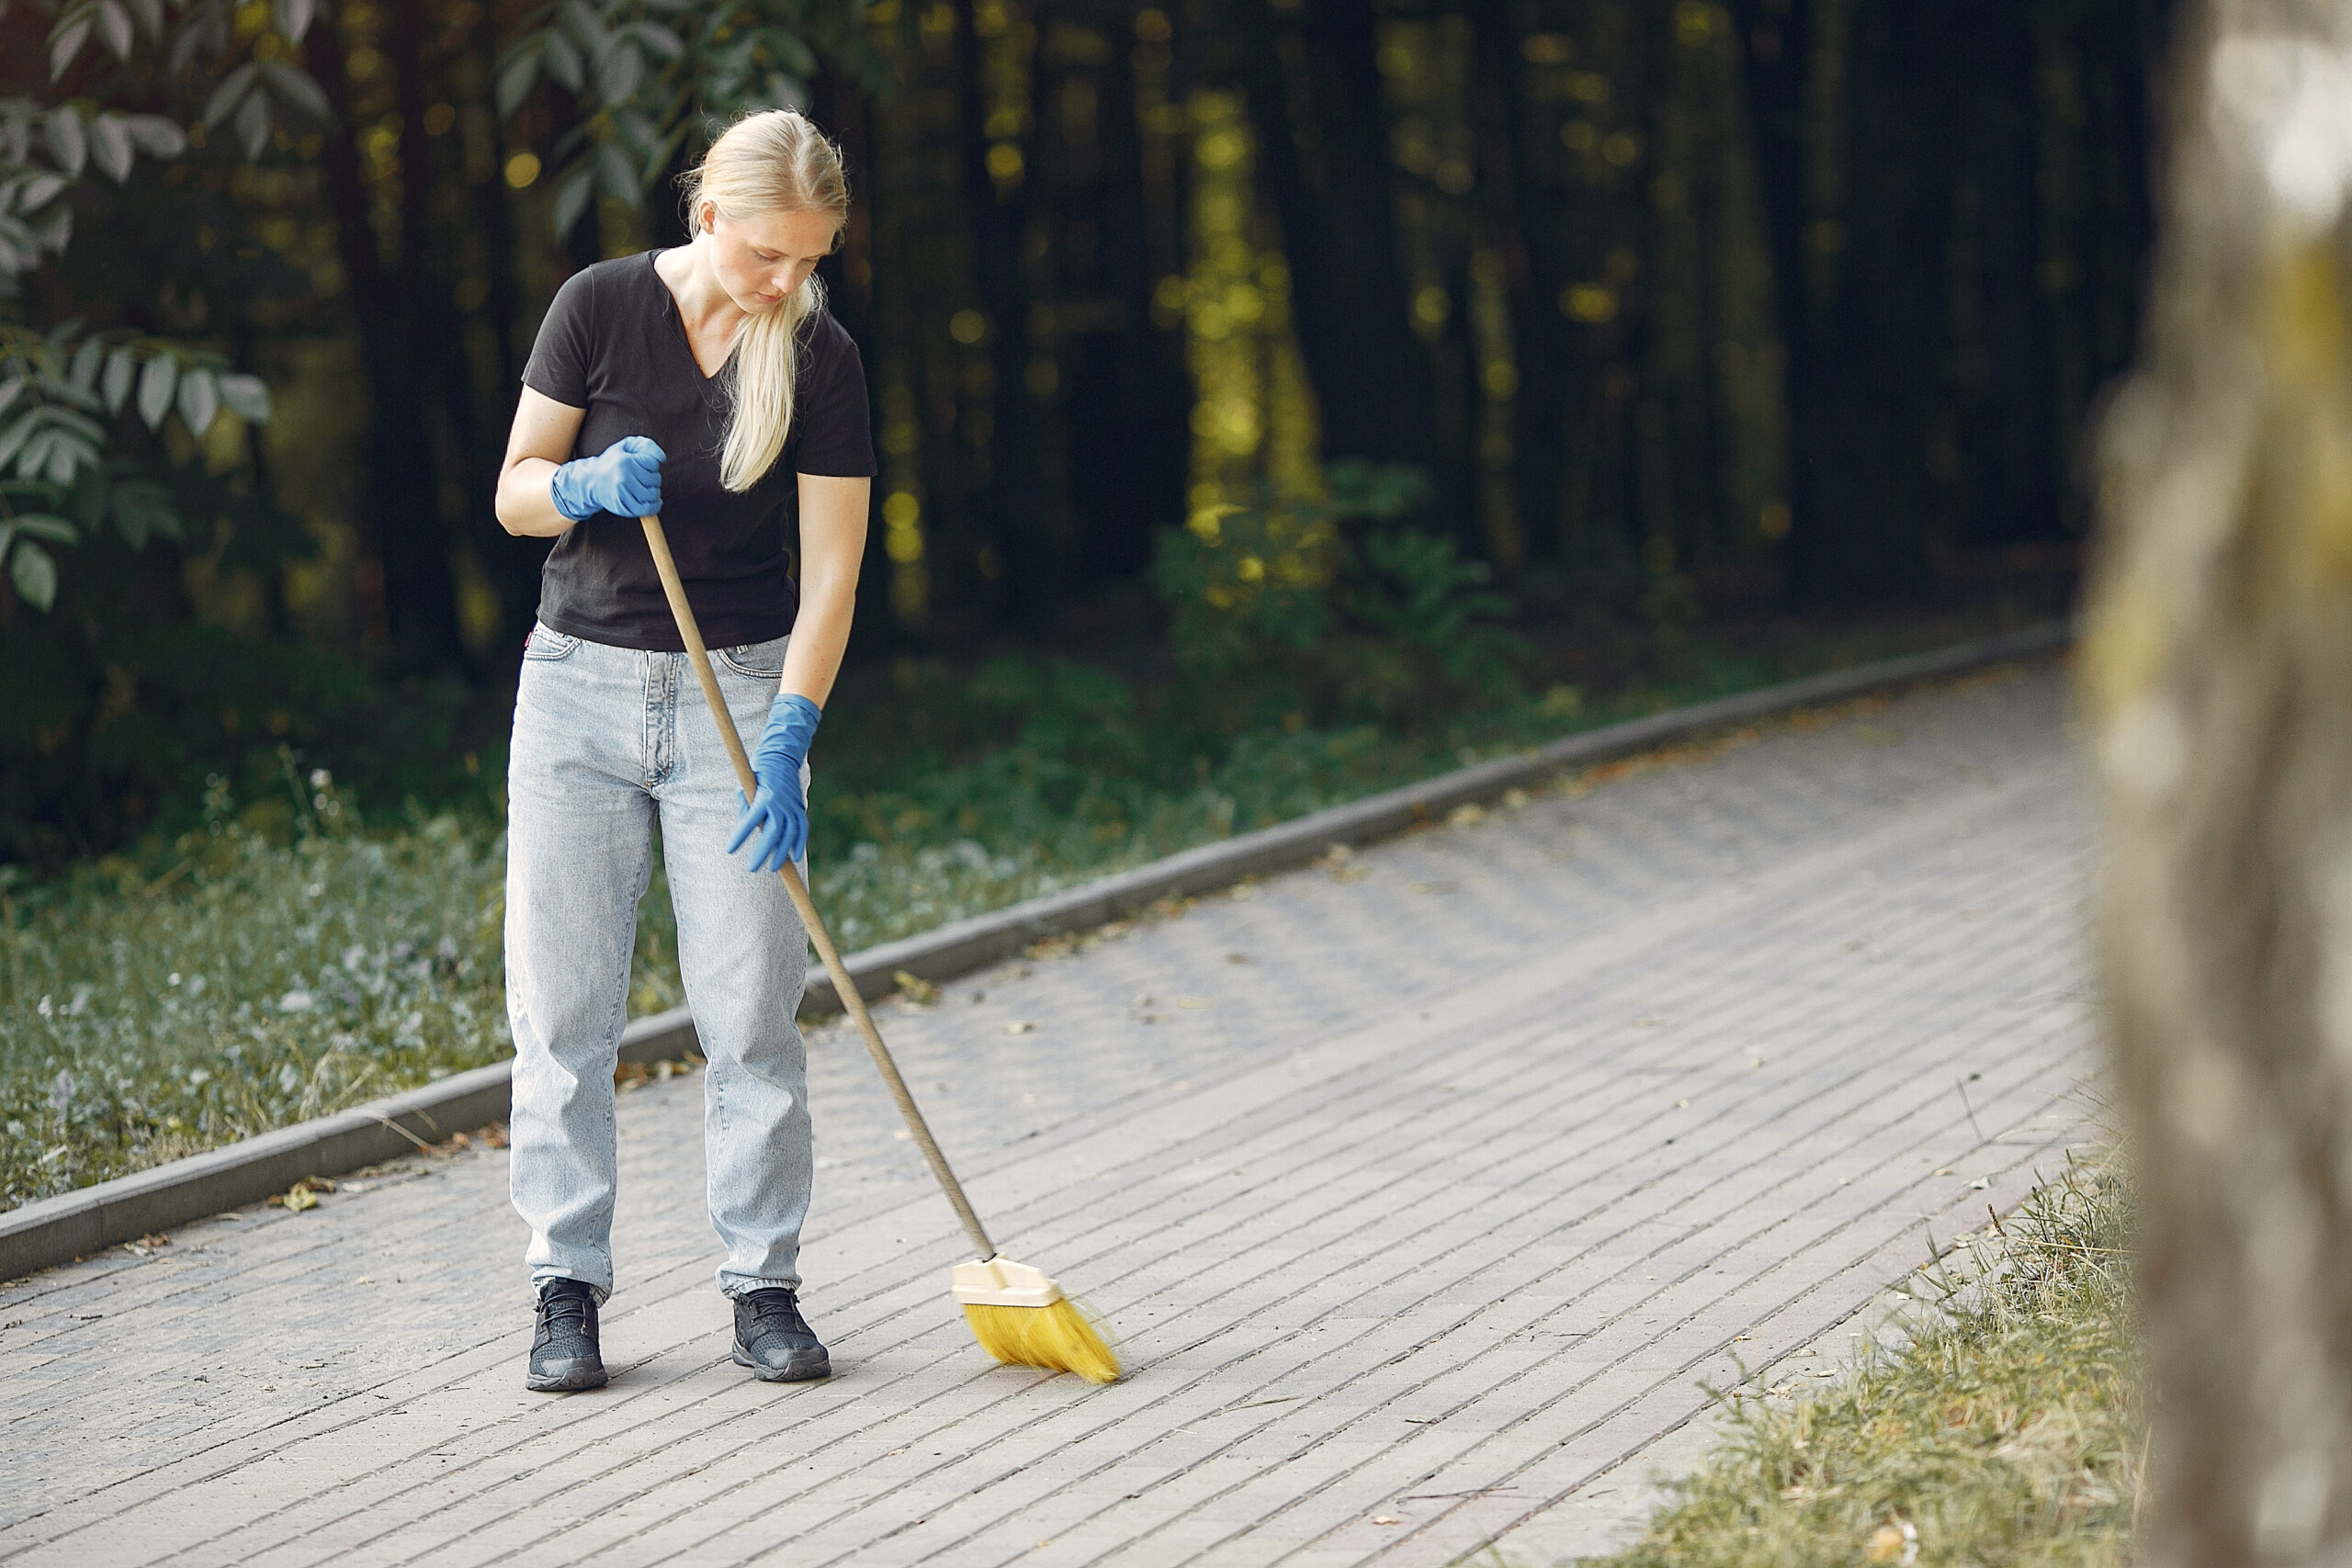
[(774, 160)]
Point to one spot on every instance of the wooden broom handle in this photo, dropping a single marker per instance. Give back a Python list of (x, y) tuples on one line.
[(818, 936)]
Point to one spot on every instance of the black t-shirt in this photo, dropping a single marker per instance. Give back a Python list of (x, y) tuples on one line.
[(613, 344)]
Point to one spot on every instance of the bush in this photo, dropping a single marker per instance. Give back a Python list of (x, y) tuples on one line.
[(98, 734), (1332, 610)]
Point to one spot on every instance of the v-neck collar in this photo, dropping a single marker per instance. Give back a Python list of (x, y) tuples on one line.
[(679, 335)]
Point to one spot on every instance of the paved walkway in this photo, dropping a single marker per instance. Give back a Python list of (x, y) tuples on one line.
[(1423, 1189)]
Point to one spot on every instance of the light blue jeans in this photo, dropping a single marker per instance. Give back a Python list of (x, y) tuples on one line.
[(608, 741)]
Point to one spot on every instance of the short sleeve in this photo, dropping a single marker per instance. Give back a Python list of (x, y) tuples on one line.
[(560, 358), (836, 426)]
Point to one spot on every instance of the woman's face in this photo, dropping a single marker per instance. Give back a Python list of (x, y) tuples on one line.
[(760, 260)]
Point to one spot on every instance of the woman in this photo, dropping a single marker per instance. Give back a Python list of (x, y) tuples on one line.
[(707, 383)]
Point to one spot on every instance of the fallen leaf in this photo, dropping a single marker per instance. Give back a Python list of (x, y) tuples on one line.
[(917, 991), (1020, 1026), (1387, 1519), (1515, 799), (1897, 1543), (298, 1197), (1466, 815)]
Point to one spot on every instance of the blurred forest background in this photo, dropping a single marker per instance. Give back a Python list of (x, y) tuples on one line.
[(1349, 360)]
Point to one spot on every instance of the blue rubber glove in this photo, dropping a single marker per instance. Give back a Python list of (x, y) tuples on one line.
[(779, 812), (625, 480)]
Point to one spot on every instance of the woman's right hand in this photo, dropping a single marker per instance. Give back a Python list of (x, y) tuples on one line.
[(625, 480)]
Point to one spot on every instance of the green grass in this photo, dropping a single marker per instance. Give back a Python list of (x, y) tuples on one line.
[(2010, 1432), (282, 960)]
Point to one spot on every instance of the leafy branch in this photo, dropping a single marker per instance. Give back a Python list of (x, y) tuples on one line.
[(57, 391), (653, 77), (60, 389)]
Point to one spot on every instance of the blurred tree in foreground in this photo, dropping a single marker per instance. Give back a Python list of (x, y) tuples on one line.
[(2216, 678)]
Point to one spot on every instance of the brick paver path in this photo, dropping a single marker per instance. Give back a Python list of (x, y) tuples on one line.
[(1421, 1190)]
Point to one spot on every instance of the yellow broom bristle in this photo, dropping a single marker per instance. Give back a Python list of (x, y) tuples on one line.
[(1057, 1338)]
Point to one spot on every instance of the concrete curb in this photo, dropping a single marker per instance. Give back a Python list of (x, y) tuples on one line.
[(77, 1224)]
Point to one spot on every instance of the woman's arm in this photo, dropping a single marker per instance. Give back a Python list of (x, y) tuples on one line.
[(538, 445), (832, 545)]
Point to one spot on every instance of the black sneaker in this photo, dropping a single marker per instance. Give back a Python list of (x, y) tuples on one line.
[(564, 1356), (774, 1340)]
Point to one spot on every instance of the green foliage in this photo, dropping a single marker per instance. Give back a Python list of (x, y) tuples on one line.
[(249, 979), (96, 112), (59, 385), (1418, 618), (1333, 607), (96, 739), (1244, 585), (2009, 1431), (59, 481), (654, 77)]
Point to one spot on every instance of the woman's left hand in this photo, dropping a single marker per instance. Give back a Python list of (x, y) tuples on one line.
[(779, 812)]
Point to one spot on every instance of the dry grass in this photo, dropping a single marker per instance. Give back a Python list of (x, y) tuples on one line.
[(2008, 1433)]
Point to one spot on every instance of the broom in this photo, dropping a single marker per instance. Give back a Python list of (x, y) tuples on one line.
[(1018, 1314)]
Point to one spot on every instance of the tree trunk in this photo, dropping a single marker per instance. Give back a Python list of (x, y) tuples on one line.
[(1315, 99), (1029, 587), (1876, 246), (514, 564), (2215, 682), (1125, 396), (403, 492)]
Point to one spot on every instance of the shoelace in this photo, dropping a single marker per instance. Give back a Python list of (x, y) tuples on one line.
[(777, 1311), (561, 1306)]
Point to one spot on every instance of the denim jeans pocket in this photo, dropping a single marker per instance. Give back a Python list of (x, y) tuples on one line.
[(548, 646), (755, 660)]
